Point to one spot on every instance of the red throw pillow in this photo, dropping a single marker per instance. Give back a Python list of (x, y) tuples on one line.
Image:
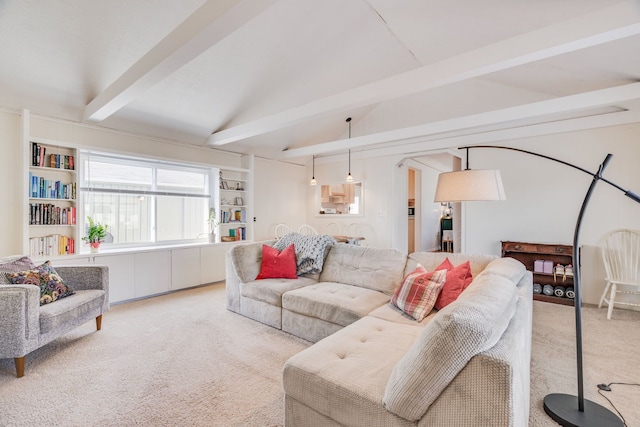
[(418, 292), (458, 278), (278, 265)]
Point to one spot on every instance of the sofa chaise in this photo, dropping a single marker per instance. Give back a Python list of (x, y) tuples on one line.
[(371, 364)]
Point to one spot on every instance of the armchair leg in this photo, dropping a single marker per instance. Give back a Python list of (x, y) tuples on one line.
[(99, 322), (19, 366)]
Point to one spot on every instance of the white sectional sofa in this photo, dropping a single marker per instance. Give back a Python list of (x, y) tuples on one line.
[(372, 365)]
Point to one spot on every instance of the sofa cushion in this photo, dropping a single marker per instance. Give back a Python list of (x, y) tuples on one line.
[(246, 260), (65, 311), (466, 327), (392, 313), (419, 291), (271, 290), (333, 302), (344, 375), (276, 264), (378, 269), (458, 278)]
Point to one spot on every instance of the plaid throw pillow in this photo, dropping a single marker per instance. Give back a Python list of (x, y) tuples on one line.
[(419, 292)]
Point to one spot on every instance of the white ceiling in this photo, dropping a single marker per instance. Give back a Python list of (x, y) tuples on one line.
[(278, 78)]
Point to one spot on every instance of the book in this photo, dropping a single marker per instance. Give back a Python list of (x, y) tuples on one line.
[(41, 155)]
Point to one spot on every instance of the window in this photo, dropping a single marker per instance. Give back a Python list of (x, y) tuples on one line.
[(145, 202)]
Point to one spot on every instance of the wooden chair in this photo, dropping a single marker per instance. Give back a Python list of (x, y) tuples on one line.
[(621, 256), (282, 229), (307, 230), (332, 229)]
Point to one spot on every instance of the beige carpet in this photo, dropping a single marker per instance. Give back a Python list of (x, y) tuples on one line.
[(611, 353), (184, 360)]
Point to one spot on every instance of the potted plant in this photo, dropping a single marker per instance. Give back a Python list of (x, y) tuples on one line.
[(96, 233), (213, 224)]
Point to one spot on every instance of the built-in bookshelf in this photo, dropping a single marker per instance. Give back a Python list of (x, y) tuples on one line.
[(234, 202), (51, 187)]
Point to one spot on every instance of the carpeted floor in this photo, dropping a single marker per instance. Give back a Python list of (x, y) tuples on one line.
[(184, 360)]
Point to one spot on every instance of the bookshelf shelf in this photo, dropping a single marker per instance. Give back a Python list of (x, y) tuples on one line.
[(234, 203), (51, 199)]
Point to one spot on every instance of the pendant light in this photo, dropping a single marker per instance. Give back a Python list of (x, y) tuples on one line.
[(313, 174), (349, 177)]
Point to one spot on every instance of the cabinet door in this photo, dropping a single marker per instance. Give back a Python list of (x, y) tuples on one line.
[(121, 276), (152, 273), (185, 268), (212, 268)]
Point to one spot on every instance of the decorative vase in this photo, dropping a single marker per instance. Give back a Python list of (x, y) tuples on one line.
[(212, 237), (94, 246)]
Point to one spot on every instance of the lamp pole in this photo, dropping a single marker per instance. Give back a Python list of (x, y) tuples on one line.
[(565, 409)]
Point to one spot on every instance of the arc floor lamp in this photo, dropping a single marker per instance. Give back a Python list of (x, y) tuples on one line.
[(468, 185)]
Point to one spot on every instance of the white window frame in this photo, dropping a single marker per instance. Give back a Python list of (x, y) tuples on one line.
[(86, 187)]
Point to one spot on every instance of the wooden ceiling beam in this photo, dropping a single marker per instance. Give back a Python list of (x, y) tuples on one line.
[(212, 22), (532, 111), (607, 25)]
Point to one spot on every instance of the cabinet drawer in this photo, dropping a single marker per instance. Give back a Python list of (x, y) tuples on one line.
[(555, 249), (519, 247), (539, 248)]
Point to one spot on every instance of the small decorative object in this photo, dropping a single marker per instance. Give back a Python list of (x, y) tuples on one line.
[(538, 266), (570, 292), (213, 224), (96, 233), (559, 271), (239, 201), (568, 270)]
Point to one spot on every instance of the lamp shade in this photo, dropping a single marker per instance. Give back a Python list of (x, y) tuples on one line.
[(469, 185)]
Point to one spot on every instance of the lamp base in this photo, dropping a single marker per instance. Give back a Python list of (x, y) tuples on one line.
[(563, 408)]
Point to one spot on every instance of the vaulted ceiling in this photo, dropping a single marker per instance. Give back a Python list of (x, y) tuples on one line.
[(278, 78)]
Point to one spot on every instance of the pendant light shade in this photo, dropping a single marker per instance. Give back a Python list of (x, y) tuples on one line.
[(469, 185), (349, 176), (313, 173)]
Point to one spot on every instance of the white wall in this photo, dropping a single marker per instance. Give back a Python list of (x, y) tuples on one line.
[(279, 196), (544, 198), (10, 172)]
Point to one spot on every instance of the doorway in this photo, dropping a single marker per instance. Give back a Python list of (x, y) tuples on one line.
[(414, 215)]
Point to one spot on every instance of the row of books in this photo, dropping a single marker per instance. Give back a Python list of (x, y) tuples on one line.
[(50, 189), (50, 214), (55, 244), (233, 215), (58, 161), (239, 233)]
